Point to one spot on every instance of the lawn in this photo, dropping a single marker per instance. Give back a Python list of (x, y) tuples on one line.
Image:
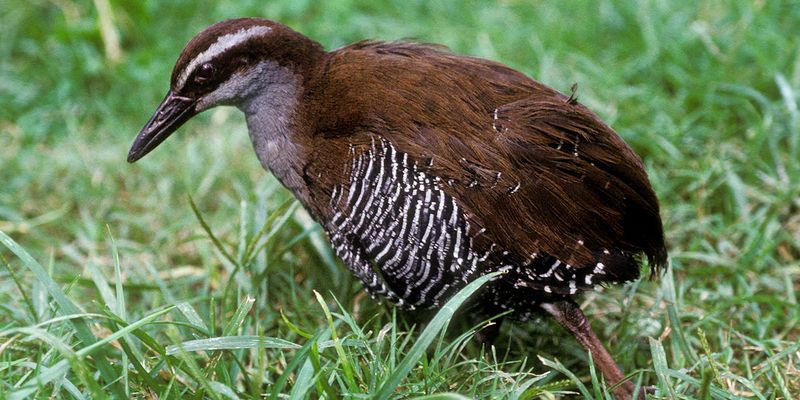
[(193, 274)]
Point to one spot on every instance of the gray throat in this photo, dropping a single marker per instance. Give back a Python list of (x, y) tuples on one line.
[(269, 113)]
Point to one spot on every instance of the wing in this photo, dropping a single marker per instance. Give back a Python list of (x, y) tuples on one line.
[(545, 176)]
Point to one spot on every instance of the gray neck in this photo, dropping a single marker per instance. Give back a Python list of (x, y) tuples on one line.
[(269, 110)]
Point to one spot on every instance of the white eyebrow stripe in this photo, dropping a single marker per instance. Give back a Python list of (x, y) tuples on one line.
[(223, 43)]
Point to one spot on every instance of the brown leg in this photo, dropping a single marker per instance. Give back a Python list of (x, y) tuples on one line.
[(570, 316)]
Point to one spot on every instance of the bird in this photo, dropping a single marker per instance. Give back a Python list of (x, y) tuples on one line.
[(428, 169)]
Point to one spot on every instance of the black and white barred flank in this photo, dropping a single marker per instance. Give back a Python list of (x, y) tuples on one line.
[(399, 232), (409, 242)]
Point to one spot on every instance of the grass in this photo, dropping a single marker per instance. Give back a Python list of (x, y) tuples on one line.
[(113, 284)]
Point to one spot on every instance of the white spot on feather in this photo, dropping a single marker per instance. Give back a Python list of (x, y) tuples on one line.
[(598, 269)]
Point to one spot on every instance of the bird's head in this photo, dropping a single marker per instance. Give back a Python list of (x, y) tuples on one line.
[(228, 63)]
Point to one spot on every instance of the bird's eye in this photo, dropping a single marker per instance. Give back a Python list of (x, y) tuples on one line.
[(205, 73)]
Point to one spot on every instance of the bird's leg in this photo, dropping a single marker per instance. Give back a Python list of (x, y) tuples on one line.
[(570, 316)]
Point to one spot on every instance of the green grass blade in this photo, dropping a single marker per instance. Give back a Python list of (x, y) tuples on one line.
[(72, 389), (661, 367), (192, 316), (224, 390), (190, 366), (282, 209), (437, 324), (442, 396), (232, 343), (217, 243), (121, 310), (122, 313), (527, 392), (668, 289), (24, 293), (348, 370), (275, 226), (558, 366), (66, 307), (294, 328), (716, 393), (102, 286), (49, 374), (300, 357), (307, 378), (238, 316)]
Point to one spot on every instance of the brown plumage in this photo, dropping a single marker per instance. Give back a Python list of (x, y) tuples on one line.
[(428, 169)]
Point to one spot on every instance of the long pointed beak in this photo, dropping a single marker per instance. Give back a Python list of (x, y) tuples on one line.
[(171, 114)]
